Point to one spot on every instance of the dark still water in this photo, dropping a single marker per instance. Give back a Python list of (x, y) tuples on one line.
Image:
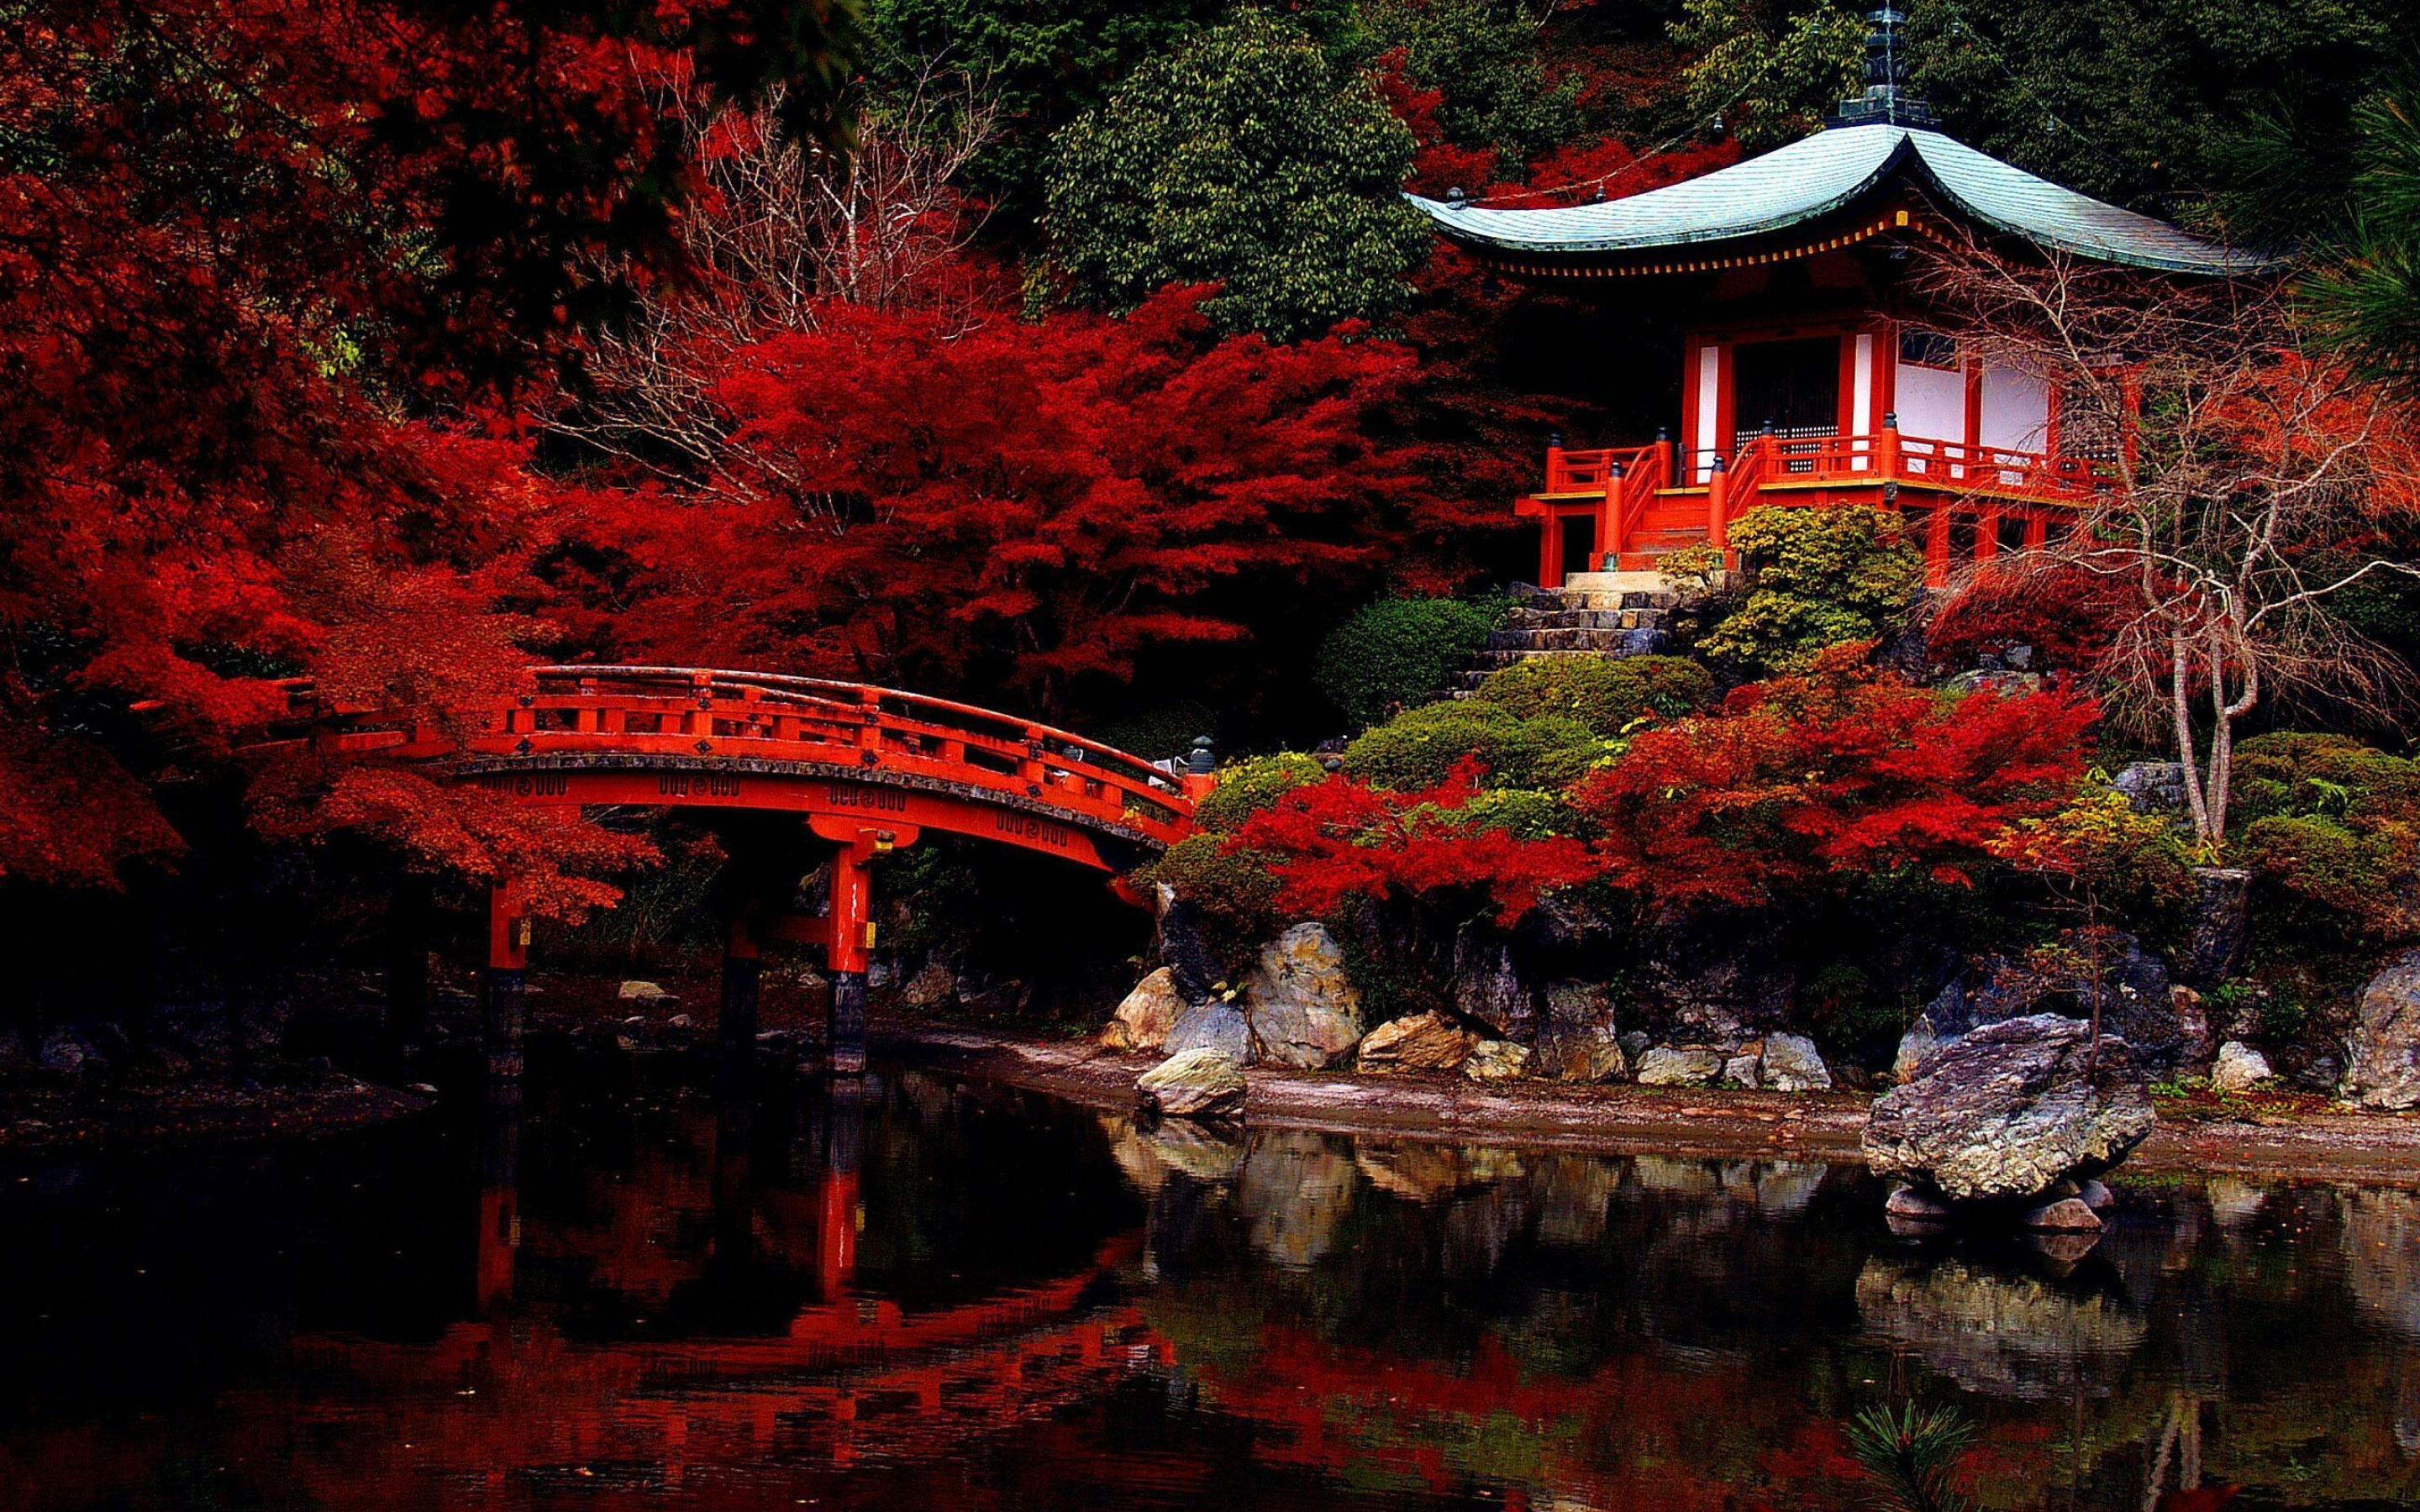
[(950, 1296)]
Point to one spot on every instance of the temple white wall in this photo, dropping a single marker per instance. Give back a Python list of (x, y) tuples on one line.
[(2016, 411), (1930, 402)]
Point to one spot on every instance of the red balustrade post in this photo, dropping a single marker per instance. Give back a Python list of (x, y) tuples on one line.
[(846, 951), (1557, 471), (1886, 453), (1718, 525), (1608, 518), (1201, 770)]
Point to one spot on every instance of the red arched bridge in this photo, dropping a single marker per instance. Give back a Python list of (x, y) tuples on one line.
[(869, 769)]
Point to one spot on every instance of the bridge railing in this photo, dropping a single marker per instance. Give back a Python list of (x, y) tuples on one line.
[(706, 712)]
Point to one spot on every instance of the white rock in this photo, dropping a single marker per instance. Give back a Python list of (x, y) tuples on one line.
[(1496, 1060), (1666, 1065), (2238, 1067), (1792, 1064)]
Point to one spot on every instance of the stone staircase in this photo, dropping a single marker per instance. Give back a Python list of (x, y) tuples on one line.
[(1592, 614)]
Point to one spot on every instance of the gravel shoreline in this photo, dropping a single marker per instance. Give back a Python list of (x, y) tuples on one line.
[(1618, 1120)]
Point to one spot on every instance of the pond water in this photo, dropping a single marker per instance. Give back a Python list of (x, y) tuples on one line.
[(934, 1294)]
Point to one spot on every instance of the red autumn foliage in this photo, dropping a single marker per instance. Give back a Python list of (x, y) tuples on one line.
[(2068, 616), (1842, 770), (245, 251), (1019, 507), (1342, 840)]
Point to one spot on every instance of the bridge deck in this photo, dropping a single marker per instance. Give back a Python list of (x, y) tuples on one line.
[(702, 737)]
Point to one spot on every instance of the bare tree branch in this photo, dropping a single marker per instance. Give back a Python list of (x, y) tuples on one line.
[(2249, 475)]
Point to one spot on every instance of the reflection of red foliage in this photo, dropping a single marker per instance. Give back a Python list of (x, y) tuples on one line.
[(1845, 769), (1341, 840)]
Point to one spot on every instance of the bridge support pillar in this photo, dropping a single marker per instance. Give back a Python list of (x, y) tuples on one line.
[(736, 1028), (501, 985), (851, 937)]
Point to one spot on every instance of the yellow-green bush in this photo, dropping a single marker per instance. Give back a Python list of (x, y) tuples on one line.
[(1604, 695), (1420, 749), (1520, 812), (1246, 787), (1816, 578)]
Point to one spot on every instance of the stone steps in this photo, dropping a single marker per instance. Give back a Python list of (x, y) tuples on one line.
[(1607, 614)]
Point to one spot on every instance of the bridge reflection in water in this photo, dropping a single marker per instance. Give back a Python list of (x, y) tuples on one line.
[(909, 1293)]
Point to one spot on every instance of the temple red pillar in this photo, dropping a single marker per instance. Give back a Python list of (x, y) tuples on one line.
[(1718, 505), (507, 974)]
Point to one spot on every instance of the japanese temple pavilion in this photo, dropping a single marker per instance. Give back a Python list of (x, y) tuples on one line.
[(1807, 376)]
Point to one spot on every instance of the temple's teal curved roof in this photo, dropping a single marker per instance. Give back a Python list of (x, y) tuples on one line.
[(1832, 170)]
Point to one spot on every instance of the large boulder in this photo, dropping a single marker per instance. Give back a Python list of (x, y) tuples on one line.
[(1588, 1056), (2383, 1051), (1419, 1041), (2128, 985), (1577, 1040), (2221, 922), (1199, 1084), (1145, 1019), (1303, 1010), (1792, 1063), (1183, 948), (2011, 1109), (1667, 1065), (1212, 1025), (1488, 986)]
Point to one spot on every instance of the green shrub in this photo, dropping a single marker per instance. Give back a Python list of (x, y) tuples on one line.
[(1155, 731), (1604, 695), (1234, 896), (1395, 652), (2316, 775), (1817, 577), (1420, 749), (2333, 824), (1246, 787)]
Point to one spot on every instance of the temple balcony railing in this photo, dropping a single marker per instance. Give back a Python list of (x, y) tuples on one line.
[(1645, 499)]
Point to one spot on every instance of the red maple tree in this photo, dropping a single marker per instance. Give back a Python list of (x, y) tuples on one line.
[(1028, 508), (1342, 840), (251, 256), (1844, 770)]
